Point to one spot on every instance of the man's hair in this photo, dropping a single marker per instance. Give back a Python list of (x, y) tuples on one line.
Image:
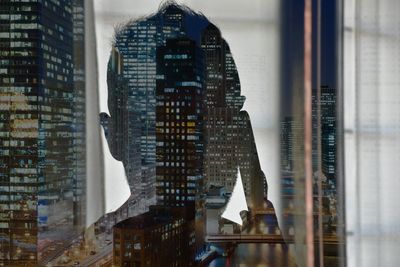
[(162, 9), (189, 24), (124, 31)]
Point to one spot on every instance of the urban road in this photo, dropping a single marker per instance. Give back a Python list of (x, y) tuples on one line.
[(102, 255), (56, 248)]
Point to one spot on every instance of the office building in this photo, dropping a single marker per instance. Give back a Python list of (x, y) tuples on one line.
[(327, 108), (39, 175), (179, 124), (229, 142), (159, 237), (137, 42), (79, 106), (328, 132)]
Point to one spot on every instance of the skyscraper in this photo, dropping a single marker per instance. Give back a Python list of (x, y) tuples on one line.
[(229, 141), (179, 125), (327, 105), (287, 144), (79, 182), (290, 144), (328, 132), (38, 163), (137, 43), (179, 122)]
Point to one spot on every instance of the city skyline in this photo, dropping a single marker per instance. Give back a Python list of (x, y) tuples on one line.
[(177, 124)]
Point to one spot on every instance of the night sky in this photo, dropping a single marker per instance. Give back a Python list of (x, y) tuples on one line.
[(328, 43), (292, 53)]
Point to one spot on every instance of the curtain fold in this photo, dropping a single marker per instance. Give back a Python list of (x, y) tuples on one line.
[(95, 202)]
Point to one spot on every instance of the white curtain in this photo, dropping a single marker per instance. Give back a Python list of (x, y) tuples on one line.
[(372, 131), (95, 206)]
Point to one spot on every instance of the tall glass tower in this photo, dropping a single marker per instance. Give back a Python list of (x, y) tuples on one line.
[(38, 163), (137, 42)]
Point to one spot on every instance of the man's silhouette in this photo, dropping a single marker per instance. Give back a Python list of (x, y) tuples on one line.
[(175, 115)]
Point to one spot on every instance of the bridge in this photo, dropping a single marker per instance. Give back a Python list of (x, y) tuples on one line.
[(247, 238), (260, 238)]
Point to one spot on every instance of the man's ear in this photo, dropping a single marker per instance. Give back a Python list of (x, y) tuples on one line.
[(109, 132)]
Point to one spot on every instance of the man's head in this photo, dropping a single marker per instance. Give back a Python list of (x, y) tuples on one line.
[(131, 75), (175, 110)]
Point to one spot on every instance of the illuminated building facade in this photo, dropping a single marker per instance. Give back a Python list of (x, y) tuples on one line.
[(137, 42), (229, 142), (179, 124), (159, 237), (286, 144), (38, 164), (327, 104), (291, 137), (179, 113), (328, 132)]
